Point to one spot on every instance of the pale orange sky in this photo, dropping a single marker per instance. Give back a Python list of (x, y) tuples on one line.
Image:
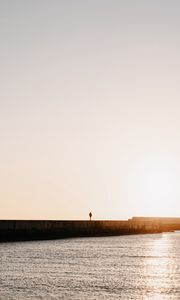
[(89, 109)]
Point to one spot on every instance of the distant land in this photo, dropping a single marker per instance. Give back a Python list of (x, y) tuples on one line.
[(14, 230)]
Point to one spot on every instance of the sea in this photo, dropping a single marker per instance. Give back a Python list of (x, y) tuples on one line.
[(118, 267)]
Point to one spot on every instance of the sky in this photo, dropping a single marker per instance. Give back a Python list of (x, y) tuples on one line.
[(89, 109)]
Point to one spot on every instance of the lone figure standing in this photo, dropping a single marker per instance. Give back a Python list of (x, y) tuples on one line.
[(90, 215)]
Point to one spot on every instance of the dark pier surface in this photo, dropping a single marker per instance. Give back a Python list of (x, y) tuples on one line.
[(13, 230)]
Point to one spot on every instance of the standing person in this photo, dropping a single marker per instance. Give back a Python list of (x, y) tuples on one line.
[(90, 215)]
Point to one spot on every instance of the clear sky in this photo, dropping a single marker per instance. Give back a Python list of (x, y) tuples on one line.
[(89, 108)]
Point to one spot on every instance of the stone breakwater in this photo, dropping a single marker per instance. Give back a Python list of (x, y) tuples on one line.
[(13, 230)]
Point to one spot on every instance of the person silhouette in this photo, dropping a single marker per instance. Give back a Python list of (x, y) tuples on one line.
[(90, 215)]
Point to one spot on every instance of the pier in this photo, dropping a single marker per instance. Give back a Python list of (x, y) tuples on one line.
[(12, 230)]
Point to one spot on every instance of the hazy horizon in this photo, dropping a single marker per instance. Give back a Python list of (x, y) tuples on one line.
[(89, 109)]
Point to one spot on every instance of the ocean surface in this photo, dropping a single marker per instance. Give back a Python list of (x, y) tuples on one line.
[(123, 267)]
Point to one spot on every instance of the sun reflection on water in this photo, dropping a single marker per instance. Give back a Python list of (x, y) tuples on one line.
[(159, 269)]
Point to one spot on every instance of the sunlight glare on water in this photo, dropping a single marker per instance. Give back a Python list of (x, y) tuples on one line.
[(162, 268)]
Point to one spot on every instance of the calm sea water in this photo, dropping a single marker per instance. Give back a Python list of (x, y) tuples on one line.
[(124, 267)]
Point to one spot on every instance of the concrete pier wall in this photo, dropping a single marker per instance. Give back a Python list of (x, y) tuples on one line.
[(37, 229), (166, 224)]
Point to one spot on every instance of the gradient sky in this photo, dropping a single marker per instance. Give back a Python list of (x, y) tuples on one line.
[(89, 108)]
